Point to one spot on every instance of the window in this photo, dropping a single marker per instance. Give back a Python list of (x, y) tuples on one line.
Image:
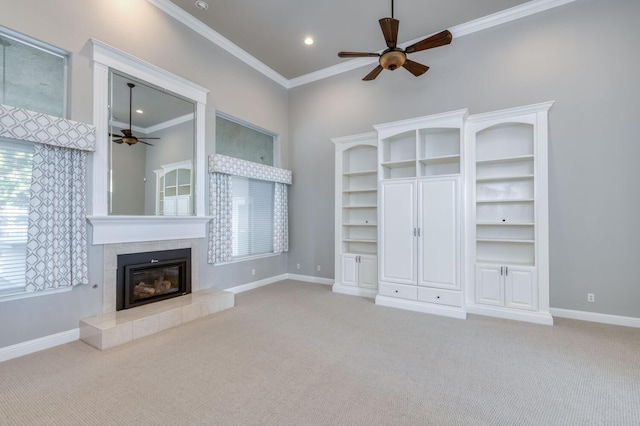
[(252, 222), (15, 186), (32, 75), (252, 199), (243, 141)]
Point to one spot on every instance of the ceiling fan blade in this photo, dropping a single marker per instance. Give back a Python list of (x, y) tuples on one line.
[(415, 68), (146, 143), (373, 74), (115, 136), (357, 54), (389, 28), (148, 138), (117, 140), (437, 40)]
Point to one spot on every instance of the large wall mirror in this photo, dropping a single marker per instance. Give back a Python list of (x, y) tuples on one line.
[(151, 149)]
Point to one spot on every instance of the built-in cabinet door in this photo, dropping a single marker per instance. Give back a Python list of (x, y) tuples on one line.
[(368, 272), (438, 233), (349, 270), (398, 232), (489, 285), (520, 288)]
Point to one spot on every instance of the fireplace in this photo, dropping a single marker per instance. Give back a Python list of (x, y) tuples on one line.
[(152, 276)]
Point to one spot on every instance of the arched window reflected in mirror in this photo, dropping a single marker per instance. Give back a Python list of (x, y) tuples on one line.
[(151, 149)]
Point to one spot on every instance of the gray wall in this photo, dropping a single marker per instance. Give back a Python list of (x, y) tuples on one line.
[(583, 55), (128, 173), (142, 30)]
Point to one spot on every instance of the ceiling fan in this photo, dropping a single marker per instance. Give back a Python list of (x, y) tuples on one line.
[(394, 57), (127, 136)]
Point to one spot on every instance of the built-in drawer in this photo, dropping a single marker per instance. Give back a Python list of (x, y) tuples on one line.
[(399, 290), (439, 296)]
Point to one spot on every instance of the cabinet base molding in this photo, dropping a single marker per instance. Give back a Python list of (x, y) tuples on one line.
[(424, 307), (354, 291), (543, 318)]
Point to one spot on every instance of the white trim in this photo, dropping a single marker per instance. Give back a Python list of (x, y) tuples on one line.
[(272, 280), (104, 58), (310, 279), (247, 258), (169, 123), (133, 229), (256, 284), (156, 127), (596, 317), (216, 38), (526, 316), (426, 308), (508, 15), (40, 344), (354, 291)]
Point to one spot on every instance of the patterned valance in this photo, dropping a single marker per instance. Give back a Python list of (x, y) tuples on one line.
[(25, 125), (237, 167)]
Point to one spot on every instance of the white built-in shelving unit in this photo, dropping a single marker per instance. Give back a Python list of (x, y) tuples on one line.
[(356, 213), (508, 234), (420, 211)]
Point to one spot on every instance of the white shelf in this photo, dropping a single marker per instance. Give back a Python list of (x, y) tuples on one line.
[(441, 160), (523, 200), (360, 224), (504, 178), (353, 191), (500, 240), (360, 207), (360, 173), (503, 263), (506, 159), (359, 240), (399, 164)]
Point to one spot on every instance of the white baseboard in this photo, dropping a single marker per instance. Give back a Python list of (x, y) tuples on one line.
[(256, 284), (596, 317), (424, 307), (40, 344), (310, 279), (515, 315), (271, 280), (354, 291)]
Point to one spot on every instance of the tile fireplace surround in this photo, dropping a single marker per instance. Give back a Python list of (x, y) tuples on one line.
[(115, 328)]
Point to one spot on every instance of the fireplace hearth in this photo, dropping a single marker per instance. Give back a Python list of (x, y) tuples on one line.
[(148, 277)]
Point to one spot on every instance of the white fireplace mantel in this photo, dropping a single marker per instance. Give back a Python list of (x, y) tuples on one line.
[(132, 229)]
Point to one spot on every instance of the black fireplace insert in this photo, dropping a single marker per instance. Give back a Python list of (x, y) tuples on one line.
[(152, 276)]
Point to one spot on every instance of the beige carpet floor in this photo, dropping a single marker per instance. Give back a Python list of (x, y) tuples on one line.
[(296, 354)]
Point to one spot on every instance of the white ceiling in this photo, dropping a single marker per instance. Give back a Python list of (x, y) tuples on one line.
[(273, 31)]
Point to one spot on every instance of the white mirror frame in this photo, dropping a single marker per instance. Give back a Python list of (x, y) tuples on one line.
[(125, 229)]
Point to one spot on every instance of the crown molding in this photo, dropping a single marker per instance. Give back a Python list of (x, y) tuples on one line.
[(508, 15), (218, 39), (155, 127)]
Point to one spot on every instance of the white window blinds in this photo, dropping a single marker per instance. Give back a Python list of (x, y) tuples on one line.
[(16, 161), (252, 221)]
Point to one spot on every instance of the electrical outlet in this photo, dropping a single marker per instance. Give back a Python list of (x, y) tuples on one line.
[(298, 266), (591, 297), (253, 272), (318, 268)]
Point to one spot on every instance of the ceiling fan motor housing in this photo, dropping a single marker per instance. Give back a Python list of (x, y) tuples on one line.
[(392, 59)]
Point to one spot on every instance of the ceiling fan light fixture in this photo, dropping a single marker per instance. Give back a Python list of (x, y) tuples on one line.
[(392, 59)]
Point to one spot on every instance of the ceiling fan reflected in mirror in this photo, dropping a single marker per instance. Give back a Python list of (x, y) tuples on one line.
[(394, 57), (127, 135)]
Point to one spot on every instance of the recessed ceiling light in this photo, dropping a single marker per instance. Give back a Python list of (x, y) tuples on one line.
[(308, 41), (139, 111), (202, 5)]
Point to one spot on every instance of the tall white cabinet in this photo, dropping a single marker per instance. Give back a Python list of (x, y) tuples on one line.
[(508, 247), (420, 211), (356, 215)]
